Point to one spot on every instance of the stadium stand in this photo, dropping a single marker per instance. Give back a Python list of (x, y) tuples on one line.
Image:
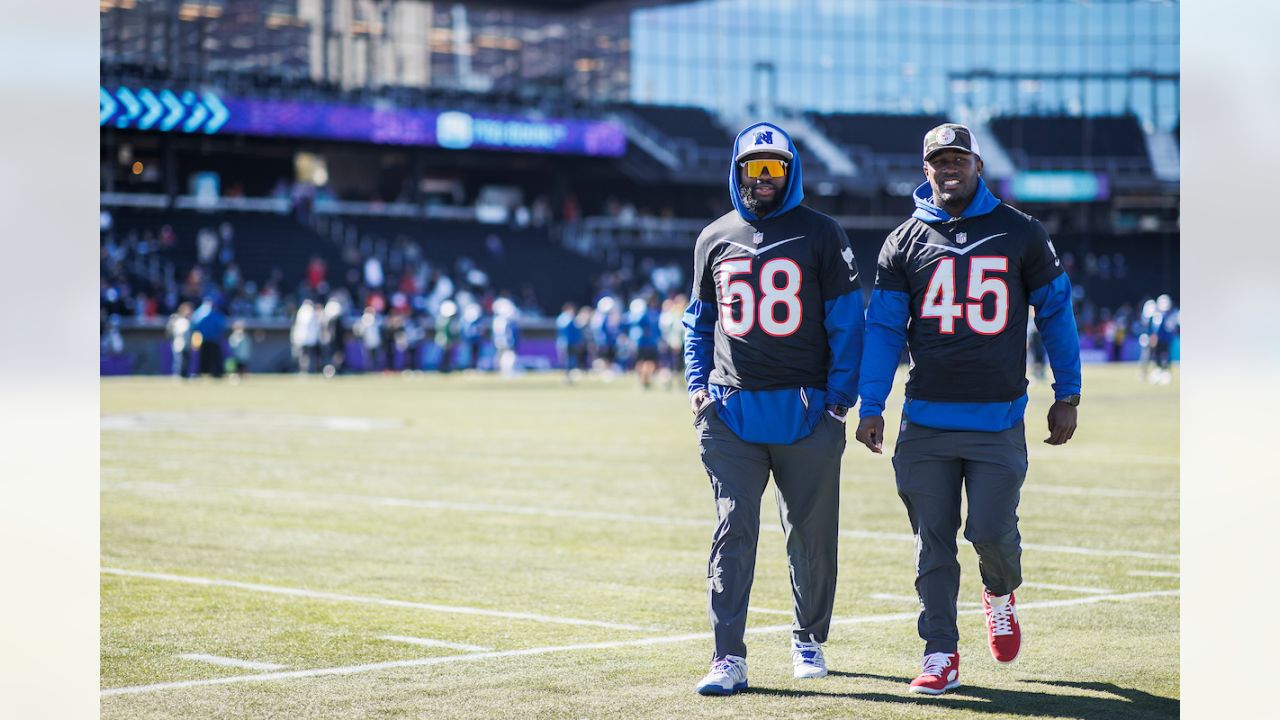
[(511, 258), (1044, 142), (263, 245), (877, 135), (694, 124)]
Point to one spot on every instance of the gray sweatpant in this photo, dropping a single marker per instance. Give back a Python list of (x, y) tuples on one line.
[(806, 477), (930, 466)]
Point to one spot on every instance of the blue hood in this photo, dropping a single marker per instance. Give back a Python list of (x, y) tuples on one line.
[(758, 134), (982, 203)]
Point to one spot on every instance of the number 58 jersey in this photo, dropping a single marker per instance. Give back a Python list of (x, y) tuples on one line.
[(969, 282), (771, 281)]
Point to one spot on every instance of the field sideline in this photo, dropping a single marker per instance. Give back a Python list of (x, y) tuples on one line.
[(469, 546)]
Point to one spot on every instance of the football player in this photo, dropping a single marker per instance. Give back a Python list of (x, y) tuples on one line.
[(772, 344), (954, 283)]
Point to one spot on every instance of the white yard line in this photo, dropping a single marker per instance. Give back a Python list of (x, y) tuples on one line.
[(588, 515), (1068, 588), (662, 640), (1065, 549), (1072, 550), (1046, 455), (428, 642), (1154, 573), (1098, 491), (231, 662), (317, 595)]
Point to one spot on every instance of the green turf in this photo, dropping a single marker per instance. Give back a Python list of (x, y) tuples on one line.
[(584, 502)]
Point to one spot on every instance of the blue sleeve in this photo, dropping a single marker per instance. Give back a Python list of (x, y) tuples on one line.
[(844, 325), (699, 344), (1057, 325), (887, 318)]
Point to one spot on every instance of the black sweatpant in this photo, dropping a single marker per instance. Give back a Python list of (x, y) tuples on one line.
[(806, 477), (930, 467)]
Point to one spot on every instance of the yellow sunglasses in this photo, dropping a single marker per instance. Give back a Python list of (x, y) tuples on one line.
[(754, 168)]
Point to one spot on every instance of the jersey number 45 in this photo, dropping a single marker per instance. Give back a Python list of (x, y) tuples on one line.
[(779, 311), (940, 296)]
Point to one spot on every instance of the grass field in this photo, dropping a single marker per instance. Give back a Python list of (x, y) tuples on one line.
[(468, 546)]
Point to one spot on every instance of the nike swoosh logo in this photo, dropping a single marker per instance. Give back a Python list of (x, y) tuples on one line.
[(770, 246), (964, 250)]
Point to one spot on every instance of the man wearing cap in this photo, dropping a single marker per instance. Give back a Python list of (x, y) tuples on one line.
[(773, 338), (953, 285)]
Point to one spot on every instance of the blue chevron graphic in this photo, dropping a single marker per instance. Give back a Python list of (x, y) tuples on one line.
[(176, 110), (219, 115), (106, 106), (154, 109), (198, 112), (131, 105)]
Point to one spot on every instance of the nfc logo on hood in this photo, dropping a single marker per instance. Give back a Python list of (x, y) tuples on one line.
[(762, 138)]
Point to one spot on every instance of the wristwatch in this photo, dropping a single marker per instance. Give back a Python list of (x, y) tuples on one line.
[(1072, 400), (838, 410)]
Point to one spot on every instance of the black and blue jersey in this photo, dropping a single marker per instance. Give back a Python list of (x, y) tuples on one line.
[(956, 292), (774, 324), (770, 280)]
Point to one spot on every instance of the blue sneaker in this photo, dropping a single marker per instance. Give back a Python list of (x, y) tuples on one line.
[(728, 675)]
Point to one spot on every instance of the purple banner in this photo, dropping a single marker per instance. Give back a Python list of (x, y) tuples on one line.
[(449, 129)]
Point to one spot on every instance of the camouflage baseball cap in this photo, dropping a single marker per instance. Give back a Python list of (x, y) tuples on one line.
[(950, 136)]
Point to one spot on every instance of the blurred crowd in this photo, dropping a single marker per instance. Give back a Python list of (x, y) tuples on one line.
[(386, 307)]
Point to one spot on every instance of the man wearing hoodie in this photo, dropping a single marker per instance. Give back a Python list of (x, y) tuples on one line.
[(773, 337), (953, 284)]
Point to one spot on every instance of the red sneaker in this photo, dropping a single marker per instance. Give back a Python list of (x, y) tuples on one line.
[(1004, 634), (939, 673)]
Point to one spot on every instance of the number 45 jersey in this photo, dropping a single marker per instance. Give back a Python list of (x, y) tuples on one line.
[(969, 282), (772, 283)]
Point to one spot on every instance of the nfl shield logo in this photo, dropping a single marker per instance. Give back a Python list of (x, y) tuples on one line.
[(757, 238), (962, 238)]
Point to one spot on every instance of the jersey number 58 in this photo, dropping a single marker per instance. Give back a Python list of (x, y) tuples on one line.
[(779, 312), (940, 296)]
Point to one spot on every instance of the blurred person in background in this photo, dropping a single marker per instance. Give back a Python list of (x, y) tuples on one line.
[(645, 331), (470, 330), (393, 340), (178, 329), (112, 342), (1165, 326), (304, 336), (506, 336), (569, 340), (333, 334), (448, 331), (209, 325), (241, 346), (671, 327), (773, 341), (604, 334), (414, 335), (583, 322), (1146, 339), (369, 330)]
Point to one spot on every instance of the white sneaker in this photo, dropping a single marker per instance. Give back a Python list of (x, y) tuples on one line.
[(807, 660), (728, 675)]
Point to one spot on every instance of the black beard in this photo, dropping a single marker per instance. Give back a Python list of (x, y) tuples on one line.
[(758, 207)]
